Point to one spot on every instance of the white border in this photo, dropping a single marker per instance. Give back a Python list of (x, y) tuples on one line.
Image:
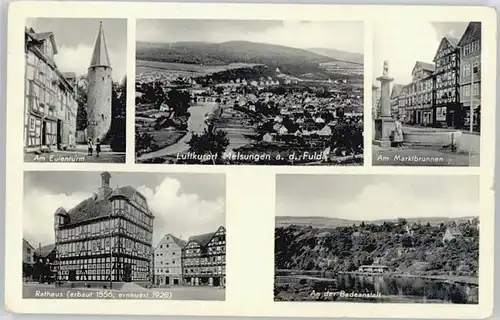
[(250, 189)]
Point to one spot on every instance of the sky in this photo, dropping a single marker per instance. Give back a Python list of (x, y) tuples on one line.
[(402, 43), (75, 39), (183, 204), (374, 197), (340, 35)]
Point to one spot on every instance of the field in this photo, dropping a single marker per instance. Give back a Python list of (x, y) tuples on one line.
[(184, 69)]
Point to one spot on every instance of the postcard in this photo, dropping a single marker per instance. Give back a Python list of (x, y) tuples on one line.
[(259, 160)]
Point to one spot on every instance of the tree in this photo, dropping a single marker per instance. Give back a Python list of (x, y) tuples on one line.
[(144, 142), (219, 90), (116, 135), (407, 241), (81, 114), (211, 142), (179, 101)]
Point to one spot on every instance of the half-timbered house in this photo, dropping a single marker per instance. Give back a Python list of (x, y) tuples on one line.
[(50, 106), (204, 259), (106, 240), (447, 85), (420, 94)]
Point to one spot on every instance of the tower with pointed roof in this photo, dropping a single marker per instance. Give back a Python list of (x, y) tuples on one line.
[(99, 90)]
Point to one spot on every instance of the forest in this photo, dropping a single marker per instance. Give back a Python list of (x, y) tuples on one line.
[(414, 248), (292, 61)]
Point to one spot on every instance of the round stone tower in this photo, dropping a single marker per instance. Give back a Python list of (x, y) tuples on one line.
[(99, 90)]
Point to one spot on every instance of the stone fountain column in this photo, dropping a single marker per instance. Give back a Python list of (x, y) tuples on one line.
[(384, 123)]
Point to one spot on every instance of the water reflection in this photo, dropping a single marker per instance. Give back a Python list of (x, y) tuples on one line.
[(415, 289)]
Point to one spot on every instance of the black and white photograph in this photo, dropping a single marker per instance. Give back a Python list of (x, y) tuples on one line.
[(249, 92), (75, 90), (124, 235), (377, 239), (426, 93)]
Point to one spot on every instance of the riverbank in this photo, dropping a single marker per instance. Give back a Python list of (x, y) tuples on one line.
[(196, 123), (466, 280), (326, 275), (364, 287)]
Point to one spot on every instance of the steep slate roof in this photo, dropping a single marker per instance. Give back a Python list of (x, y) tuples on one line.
[(126, 191), (472, 32), (396, 90), (45, 250), (94, 207), (100, 57), (452, 41), (89, 209), (181, 243), (42, 36), (426, 66), (61, 211), (27, 243), (202, 239)]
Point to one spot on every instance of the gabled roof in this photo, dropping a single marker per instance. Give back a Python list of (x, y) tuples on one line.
[(444, 41), (471, 33), (27, 243), (45, 250), (396, 90), (95, 207), (425, 66), (89, 209), (202, 239), (61, 211), (181, 243), (100, 57), (43, 36)]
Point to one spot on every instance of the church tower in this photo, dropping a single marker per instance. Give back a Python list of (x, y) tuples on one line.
[(99, 90)]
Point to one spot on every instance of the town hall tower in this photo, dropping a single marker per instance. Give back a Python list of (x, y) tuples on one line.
[(99, 90)]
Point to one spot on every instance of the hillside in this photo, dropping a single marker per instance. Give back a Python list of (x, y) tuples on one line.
[(345, 248), (325, 222), (339, 55), (290, 60)]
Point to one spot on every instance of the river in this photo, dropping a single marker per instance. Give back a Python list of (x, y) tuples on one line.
[(196, 123), (391, 289)]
